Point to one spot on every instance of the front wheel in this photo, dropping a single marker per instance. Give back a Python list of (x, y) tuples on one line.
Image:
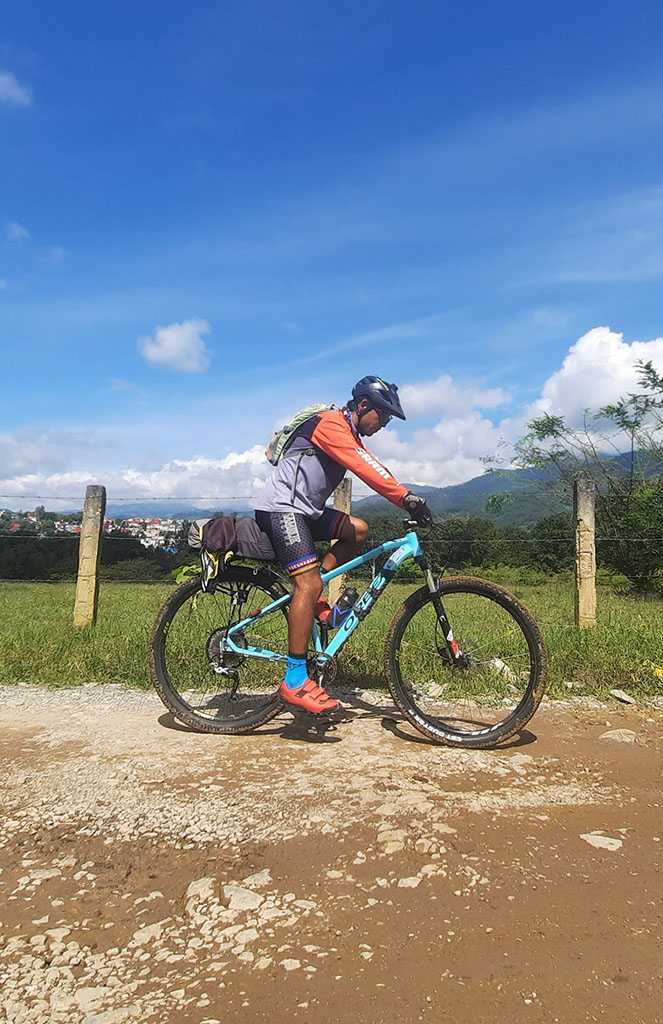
[(484, 697)]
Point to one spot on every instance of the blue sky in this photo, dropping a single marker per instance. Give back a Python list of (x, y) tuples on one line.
[(213, 213)]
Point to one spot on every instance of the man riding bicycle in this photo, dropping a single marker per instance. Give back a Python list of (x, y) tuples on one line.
[(292, 513)]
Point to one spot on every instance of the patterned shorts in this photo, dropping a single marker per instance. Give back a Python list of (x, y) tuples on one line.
[(293, 536)]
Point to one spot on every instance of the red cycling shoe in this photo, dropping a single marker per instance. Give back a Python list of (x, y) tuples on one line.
[(310, 697)]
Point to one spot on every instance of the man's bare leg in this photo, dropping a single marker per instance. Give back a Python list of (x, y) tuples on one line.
[(348, 545)]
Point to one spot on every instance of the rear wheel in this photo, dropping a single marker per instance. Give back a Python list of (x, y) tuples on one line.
[(500, 680), (203, 683)]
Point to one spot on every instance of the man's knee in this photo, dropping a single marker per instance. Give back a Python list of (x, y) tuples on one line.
[(309, 585), (359, 529)]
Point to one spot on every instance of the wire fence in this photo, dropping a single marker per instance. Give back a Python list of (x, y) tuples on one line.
[(499, 551)]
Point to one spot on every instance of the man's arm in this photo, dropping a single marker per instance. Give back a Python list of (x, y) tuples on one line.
[(335, 438)]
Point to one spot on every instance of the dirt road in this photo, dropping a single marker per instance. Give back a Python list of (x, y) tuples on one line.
[(152, 874)]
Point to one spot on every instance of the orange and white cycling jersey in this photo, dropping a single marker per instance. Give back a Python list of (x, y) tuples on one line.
[(325, 447)]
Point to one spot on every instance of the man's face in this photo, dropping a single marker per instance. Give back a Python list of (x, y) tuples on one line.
[(370, 420)]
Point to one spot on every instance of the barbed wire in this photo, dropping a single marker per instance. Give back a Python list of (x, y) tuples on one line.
[(428, 544), (110, 500)]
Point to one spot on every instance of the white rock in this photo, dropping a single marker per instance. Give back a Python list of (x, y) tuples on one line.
[(290, 965), (625, 698), (202, 889), (409, 883), (89, 997), (620, 735), (521, 759), (260, 878), (601, 842), (41, 874), (110, 1016), (440, 826), (241, 899), (151, 931)]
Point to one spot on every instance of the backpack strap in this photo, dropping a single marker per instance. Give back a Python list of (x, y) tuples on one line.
[(299, 455)]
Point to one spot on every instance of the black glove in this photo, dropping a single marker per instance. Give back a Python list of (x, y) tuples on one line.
[(418, 509)]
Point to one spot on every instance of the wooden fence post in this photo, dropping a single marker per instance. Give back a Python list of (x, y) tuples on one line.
[(342, 502), (584, 501), (89, 550)]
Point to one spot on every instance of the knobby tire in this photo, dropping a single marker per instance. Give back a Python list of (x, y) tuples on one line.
[(496, 694)]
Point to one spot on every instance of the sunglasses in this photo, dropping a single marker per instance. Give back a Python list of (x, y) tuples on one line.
[(383, 417)]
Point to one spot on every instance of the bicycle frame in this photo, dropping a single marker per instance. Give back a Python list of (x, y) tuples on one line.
[(402, 548)]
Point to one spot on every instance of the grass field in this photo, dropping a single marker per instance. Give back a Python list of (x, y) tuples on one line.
[(39, 645)]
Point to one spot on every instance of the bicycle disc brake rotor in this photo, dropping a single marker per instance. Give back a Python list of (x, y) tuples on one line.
[(219, 656)]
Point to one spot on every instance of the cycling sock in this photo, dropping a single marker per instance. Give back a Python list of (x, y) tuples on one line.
[(297, 673)]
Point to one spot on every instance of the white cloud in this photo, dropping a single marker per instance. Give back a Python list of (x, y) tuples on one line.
[(599, 368), (444, 395), (445, 448), (179, 346), (12, 93), (199, 480), (3, 285), (17, 233)]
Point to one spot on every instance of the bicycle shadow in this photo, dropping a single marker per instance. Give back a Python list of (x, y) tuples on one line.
[(303, 728), (295, 728), (392, 721)]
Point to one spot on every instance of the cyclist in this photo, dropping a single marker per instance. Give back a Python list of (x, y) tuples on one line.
[(292, 513)]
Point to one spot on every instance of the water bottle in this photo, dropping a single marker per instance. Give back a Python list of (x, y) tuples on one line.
[(343, 607)]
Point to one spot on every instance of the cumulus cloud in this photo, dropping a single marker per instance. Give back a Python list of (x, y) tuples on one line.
[(12, 93), (445, 395), (599, 368), (236, 478), (449, 452), (445, 447), (179, 346), (17, 233)]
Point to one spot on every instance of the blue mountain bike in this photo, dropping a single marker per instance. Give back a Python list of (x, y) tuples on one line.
[(464, 661)]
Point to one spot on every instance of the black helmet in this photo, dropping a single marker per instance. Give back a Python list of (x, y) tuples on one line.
[(382, 396)]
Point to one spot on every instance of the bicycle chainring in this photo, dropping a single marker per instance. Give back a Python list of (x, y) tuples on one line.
[(322, 668)]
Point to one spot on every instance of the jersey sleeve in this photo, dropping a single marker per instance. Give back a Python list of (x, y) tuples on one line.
[(335, 438)]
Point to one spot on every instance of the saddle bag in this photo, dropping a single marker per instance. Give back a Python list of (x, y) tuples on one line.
[(230, 537)]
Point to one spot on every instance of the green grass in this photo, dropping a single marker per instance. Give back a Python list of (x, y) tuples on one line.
[(38, 643)]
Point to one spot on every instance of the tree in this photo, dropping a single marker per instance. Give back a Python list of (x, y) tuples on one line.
[(620, 447)]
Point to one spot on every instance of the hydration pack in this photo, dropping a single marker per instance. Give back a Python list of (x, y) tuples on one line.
[(280, 442)]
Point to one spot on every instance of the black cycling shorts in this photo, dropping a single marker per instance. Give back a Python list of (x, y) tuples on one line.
[(293, 536)]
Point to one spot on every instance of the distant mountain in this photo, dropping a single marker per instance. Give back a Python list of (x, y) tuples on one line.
[(532, 497), (170, 510)]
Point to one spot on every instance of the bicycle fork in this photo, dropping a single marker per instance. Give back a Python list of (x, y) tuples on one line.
[(460, 660)]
